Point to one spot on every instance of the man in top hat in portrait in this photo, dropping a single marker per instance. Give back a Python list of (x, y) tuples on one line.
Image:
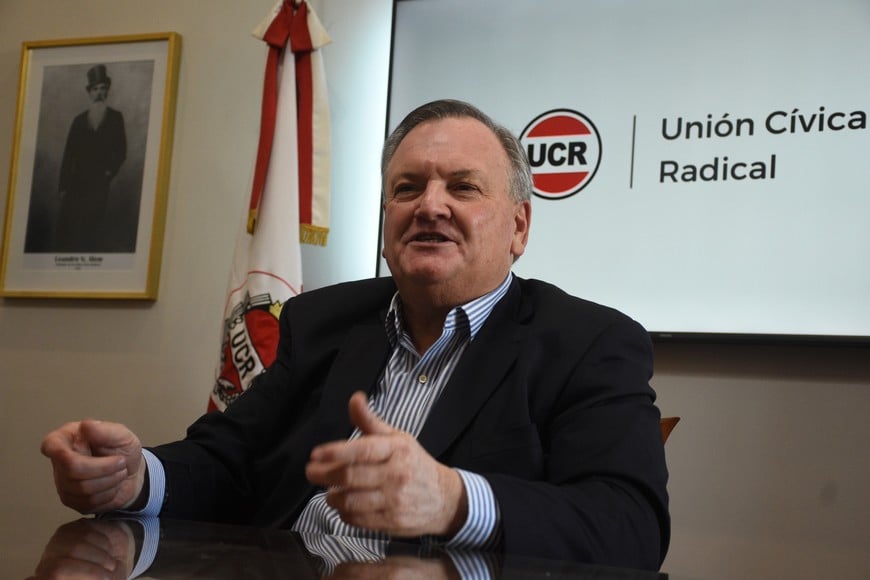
[(96, 147)]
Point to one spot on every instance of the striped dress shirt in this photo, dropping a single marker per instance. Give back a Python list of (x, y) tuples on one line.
[(408, 388)]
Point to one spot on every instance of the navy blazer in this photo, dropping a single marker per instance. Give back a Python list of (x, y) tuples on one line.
[(551, 403)]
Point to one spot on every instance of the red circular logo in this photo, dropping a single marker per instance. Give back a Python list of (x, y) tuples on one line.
[(564, 150)]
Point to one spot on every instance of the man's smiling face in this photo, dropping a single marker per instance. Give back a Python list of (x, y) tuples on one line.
[(451, 227)]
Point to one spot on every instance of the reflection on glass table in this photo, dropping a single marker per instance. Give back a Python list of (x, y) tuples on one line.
[(161, 548)]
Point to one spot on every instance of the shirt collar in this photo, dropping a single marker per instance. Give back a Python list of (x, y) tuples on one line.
[(470, 315)]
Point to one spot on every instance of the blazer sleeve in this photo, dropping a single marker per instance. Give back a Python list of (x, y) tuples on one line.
[(602, 497)]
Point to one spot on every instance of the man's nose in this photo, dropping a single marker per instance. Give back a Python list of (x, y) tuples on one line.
[(434, 201)]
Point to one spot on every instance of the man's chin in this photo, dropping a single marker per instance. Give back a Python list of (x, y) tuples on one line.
[(423, 267), (426, 277)]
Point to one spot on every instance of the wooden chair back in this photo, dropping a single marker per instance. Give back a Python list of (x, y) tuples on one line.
[(668, 424)]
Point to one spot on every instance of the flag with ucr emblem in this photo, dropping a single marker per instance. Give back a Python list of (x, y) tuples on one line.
[(289, 197)]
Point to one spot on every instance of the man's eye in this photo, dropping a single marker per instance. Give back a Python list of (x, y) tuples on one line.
[(464, 187), (403, 190)]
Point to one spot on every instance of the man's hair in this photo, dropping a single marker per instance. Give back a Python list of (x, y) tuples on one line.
[(520, 177)]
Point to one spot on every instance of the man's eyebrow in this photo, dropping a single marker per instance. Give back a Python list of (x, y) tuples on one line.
[(404, 175), (457, 174)]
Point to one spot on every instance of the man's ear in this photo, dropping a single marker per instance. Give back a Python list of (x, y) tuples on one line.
[(522, 222)]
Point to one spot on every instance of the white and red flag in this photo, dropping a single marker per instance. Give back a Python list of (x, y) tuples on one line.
[(289, 197)]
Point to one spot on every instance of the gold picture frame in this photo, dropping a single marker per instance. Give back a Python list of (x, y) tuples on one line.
[(91, 154)]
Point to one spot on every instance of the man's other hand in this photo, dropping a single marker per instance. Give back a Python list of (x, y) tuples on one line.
[(98, 466), (385, 481)]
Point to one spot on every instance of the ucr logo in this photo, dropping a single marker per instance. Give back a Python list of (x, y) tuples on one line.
[(564, 150)]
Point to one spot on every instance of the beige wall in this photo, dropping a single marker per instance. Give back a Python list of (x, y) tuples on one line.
[(769, 467), (770, 472)]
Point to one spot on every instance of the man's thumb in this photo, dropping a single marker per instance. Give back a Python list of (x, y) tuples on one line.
[(105, 438), (364, 418)]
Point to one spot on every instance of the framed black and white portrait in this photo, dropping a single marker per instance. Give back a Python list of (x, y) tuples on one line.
[(90, 167)]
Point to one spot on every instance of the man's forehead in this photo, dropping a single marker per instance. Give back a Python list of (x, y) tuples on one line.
[(464, 139)]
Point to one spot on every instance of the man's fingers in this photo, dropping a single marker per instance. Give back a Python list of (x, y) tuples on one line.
[(362, 509), (350, 502), (346, 474), (106, 438), (91, 437), (364, 418), (91, 503), (62, 439), (77, 467), (94, 485), (372, 449)]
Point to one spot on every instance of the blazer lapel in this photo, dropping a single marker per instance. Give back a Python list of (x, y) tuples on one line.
[(483, 367), (356, 368)]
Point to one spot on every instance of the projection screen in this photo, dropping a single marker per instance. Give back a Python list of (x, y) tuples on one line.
[(701, 166)]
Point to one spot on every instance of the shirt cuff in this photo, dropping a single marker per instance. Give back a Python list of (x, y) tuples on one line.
[(157, 486), (481, 525)]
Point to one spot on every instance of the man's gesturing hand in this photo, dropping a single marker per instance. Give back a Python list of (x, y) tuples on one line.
[(98, 466), (385, 481)]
